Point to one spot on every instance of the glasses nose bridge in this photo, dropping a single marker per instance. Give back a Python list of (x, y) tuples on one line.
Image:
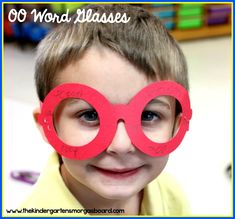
[(121, 112)]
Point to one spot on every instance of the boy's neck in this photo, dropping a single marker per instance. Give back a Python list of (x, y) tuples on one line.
[(89, 199)]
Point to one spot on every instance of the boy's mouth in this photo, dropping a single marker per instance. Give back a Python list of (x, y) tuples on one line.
[(118, 173)]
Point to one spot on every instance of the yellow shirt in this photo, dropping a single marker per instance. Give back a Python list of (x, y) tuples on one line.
[(51, 197)]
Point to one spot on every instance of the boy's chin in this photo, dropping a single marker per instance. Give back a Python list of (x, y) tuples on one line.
[(117, 193)]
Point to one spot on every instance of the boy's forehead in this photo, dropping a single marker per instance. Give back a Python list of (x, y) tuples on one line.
[(107, 72)]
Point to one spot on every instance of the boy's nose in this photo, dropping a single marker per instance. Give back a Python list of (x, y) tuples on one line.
[(121, 143)]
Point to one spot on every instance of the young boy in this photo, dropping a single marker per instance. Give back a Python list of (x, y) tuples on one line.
[(97, 80)]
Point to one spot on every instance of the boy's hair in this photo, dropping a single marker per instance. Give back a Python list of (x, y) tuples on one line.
[(143, 41)]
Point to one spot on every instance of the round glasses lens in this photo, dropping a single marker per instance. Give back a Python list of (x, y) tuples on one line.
[(160, 119), (76, 122)]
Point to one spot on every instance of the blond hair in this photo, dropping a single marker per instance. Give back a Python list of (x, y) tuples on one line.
[(143, 41)]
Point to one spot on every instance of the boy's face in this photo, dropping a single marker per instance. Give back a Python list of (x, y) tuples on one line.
[(121, 170)]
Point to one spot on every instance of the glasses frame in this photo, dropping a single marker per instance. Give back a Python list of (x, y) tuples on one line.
[(110, 114)]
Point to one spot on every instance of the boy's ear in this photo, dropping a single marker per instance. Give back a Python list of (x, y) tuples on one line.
[(36, 113), (176, 125)]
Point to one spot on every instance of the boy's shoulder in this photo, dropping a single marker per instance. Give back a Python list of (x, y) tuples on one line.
[(50, 192), (164, 196)]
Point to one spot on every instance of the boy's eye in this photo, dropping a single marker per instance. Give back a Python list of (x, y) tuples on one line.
[(148, 116), (89, 117)]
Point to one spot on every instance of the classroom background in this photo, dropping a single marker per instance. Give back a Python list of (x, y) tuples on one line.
[(202, 164)]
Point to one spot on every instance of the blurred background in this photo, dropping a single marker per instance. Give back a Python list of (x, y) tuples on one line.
[(202, 164)]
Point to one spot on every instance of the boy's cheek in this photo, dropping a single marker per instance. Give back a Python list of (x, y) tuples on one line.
[(158, 164), (176, 124), (75, 164)]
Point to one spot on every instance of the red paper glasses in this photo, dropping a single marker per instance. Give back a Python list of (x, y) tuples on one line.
[(80, 123)]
